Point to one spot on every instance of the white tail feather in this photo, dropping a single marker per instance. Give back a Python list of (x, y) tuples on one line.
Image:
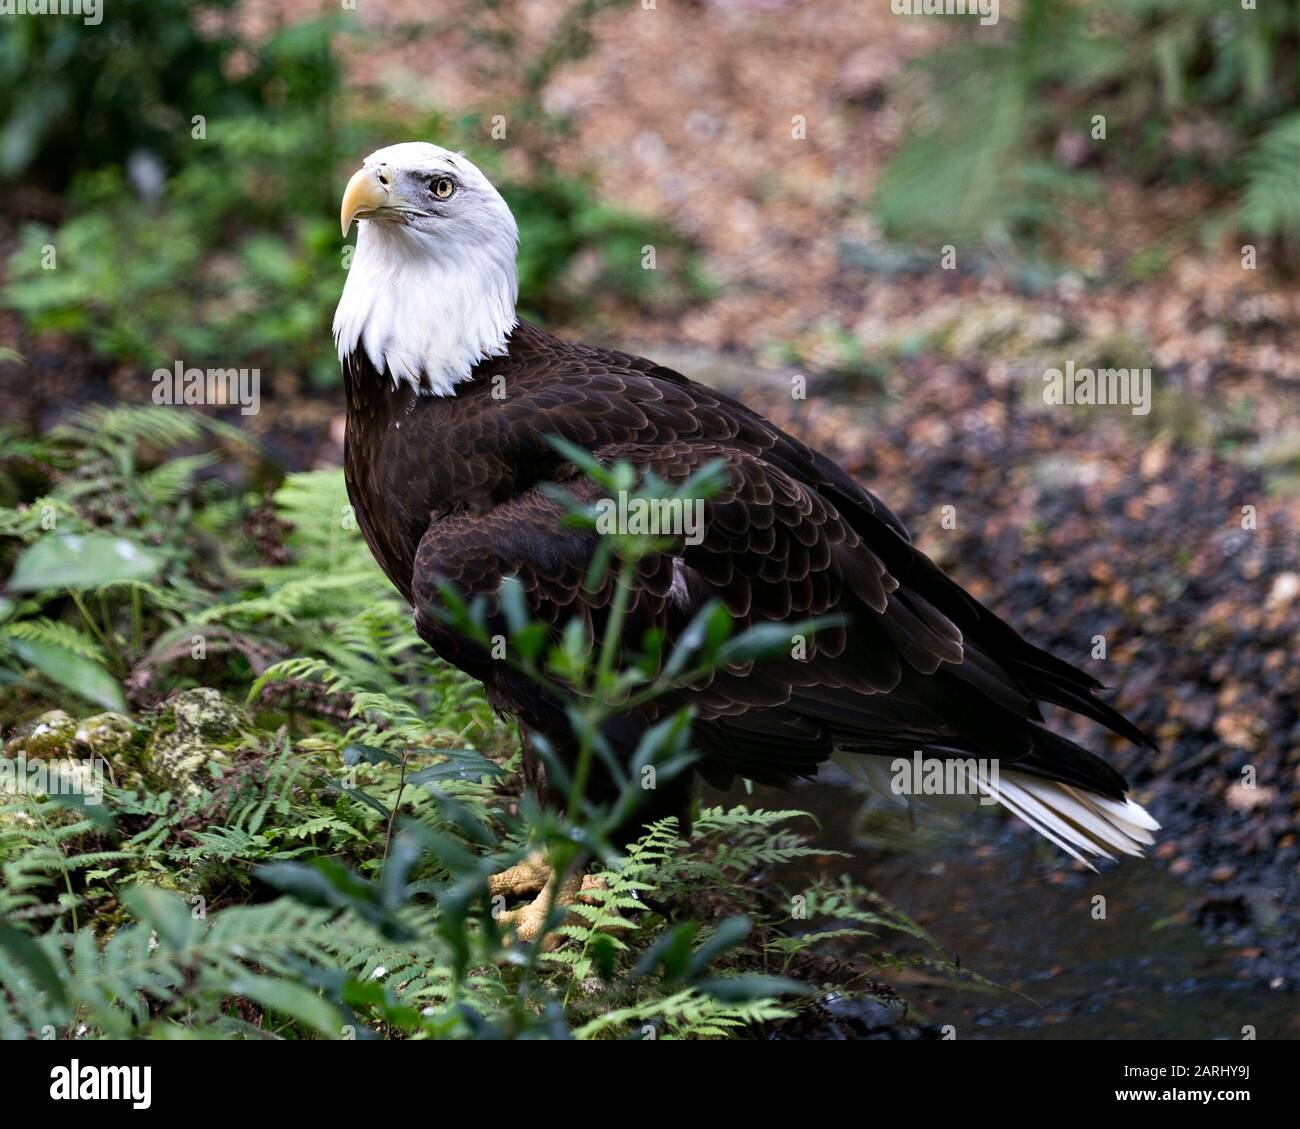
[(1080, 822)]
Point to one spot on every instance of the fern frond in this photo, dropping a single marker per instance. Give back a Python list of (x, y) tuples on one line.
[(59, 634), (687, 1014), (1270, 202)]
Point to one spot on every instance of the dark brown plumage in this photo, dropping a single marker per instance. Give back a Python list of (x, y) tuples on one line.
[(449, 488)]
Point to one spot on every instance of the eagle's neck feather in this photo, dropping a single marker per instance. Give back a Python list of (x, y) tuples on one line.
[(426, 312)]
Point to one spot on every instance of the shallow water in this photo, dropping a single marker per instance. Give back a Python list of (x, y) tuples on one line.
[(997, 901)]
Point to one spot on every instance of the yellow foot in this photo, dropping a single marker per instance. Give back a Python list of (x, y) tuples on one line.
[(528, 877), (534, 875)]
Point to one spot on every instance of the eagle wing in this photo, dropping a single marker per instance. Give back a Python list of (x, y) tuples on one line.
[(918, 663)]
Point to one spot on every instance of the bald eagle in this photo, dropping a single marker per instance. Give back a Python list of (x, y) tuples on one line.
[(451, 402)]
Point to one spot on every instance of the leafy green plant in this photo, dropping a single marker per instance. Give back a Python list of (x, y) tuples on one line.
[(1270, 205), (366, 784), (239, 259), (77, 96), (213, 241), (981, 160)]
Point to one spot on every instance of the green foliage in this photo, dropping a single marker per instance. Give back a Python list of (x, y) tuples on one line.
[(1271, 202), (77, 96), (165, 958), (339, 957), (970, 170), (239, 257), (233, 258), (562, 223), (366, 783), (1187, 88)]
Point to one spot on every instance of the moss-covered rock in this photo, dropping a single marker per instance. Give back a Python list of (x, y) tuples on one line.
[(56, 734), (50, 736), (188, 743), (193, 740), (78, 755), (113, 736)]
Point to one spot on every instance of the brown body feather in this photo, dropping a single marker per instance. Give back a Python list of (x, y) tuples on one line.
[(450, 488)]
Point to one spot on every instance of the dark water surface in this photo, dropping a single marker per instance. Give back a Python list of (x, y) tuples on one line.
[(998, 901)]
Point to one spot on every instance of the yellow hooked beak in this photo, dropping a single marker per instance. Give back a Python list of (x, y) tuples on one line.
[(366, 192)]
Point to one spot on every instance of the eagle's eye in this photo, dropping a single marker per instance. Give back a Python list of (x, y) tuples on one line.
[(443, 187)]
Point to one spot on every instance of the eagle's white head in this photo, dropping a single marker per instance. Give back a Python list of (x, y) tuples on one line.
[(432, 286)]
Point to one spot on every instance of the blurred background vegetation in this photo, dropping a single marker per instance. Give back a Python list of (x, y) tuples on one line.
[(190, 171), (1174, 91), (209, 236)]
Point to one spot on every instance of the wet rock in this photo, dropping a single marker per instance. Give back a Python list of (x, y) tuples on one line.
[(1222, 911), (1265, 908)]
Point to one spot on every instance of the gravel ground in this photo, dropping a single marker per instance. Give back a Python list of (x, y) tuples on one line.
[(1076, 525)]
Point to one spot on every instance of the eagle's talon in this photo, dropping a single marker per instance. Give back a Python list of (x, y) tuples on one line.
[(531, 876), (526, 921)]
